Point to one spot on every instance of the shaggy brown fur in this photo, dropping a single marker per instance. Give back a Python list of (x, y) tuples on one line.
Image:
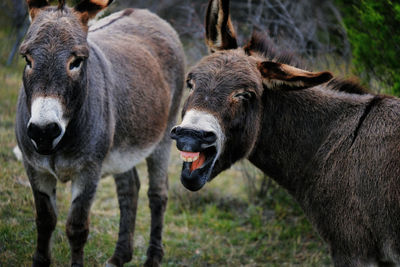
[(333, 146)]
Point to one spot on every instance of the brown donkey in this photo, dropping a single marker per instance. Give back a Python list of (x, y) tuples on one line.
[(96, 101), (333, 147)]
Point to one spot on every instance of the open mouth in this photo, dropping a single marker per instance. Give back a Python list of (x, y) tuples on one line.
[(197, 167)]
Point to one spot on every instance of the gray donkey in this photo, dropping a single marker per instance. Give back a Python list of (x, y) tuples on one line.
[(96, 101), (334, 147)]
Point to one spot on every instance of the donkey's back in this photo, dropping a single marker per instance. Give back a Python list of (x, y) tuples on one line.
[(145, 69), (136, 30), (355, 194)]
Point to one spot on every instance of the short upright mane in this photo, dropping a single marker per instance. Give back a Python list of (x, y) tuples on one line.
[(265, 47), (347, 85)]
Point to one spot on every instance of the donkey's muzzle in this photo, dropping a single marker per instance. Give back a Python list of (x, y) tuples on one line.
[(44, 137), (192, 140)]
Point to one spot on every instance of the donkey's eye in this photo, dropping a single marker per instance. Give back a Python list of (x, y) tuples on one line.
[(76, 64), (189, 84), (28, 62), (244, 95)]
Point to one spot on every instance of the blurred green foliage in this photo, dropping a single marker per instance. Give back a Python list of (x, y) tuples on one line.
[(373, 29)]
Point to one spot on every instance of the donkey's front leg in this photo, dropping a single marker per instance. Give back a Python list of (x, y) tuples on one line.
[(157, 165), (83, 191), (44, 192)]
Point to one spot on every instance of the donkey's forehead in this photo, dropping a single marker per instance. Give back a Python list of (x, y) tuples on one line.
[(225, 61), (231, 68), (224, 57), (52, 14), (52, 24)]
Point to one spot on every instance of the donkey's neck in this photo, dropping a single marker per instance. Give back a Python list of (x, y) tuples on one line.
[(93, 120), (298, 126)]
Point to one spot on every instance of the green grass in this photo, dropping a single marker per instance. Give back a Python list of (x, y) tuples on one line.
[(218, 226)]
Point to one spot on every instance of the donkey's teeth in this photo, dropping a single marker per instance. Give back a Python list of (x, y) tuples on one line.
[(189, 156)]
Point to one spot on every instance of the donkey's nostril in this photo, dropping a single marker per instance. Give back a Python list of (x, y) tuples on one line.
[(33, 130), (175, 132), (53, 130), (192, 140), (44, 133)]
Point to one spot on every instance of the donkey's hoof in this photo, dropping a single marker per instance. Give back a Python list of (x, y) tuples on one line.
[(152, 262), (154, 256), (76, 265), (115, 261), (40, 261), (109, 264)]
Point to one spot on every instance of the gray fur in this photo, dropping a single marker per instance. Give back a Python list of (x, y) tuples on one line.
[(126, 101)]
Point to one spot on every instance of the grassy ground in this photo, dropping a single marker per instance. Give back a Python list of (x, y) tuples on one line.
[(219, 226)]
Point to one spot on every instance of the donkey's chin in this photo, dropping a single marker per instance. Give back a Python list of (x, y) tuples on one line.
[(197, 173)]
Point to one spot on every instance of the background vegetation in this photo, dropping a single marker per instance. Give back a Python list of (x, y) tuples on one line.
[(374, 33), (242, 217)]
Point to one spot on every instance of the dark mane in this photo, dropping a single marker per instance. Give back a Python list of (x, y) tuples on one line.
[(265, 47), (348, 86)]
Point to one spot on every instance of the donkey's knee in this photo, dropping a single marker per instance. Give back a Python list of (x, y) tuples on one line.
[(77, 233), (157, 200), (158, 192)]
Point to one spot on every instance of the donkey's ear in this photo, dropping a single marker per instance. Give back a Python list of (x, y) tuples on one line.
[(34, 6), (220, 34), (276, 74), (89, 8)]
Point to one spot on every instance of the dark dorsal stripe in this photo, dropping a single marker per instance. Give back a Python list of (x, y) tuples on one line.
[(265, 47), (367, 110), (127, 12), (348, 86)]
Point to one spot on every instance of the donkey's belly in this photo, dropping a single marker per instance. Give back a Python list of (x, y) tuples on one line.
[(122, 160)]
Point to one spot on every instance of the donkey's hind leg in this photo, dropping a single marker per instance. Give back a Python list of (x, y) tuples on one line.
[(128, 186), (157, 165)]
